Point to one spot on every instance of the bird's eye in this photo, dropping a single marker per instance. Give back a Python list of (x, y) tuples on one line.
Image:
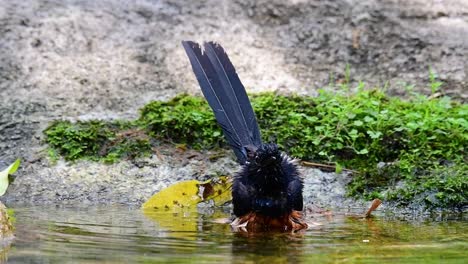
[(257, 159)]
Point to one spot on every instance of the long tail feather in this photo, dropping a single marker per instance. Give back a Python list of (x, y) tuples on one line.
[(226, 95), (234, 89)]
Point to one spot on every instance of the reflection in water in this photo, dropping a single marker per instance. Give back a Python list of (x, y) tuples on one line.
[(273, 247), (268, 247), (123, 235)]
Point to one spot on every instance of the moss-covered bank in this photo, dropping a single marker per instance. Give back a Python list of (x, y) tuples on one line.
[(405, 150)]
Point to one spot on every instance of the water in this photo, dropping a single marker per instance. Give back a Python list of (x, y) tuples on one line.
[(123, 235)]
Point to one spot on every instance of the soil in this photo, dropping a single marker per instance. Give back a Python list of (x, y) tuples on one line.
[(80, 60)]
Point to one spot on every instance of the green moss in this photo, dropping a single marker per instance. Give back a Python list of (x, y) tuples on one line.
[(420, 142), (82, 139), (184, 119), (442, 186), (96, 140)]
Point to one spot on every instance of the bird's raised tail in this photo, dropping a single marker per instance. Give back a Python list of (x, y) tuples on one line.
[(226, 96)]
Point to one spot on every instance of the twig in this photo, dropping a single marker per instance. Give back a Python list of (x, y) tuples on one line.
[(158, 154), (320, 165), (216, 156)]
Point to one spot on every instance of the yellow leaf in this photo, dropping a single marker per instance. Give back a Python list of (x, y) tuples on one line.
[(190, 193), (181, 194), (220, 190)]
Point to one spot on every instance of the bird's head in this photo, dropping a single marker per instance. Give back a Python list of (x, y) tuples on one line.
[(267, 155)]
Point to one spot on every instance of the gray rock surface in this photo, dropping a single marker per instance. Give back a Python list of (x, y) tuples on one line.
[(88, 59)]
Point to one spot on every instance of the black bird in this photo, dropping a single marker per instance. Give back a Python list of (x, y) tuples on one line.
[(267, 192)]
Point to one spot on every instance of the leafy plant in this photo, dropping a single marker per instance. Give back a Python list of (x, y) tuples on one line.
[(433, 83), (4, 182)]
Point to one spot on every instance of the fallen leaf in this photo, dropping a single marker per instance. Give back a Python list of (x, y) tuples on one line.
[(375, 204), (4, 176), (181, 194), (190, 193), (221, 191)]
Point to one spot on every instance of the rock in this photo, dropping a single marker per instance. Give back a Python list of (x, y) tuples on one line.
[(6, 227)]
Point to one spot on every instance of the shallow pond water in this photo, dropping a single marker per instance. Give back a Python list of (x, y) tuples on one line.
[(123, 235)]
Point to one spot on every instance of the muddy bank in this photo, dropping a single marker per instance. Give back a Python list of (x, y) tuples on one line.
[(79, 60)]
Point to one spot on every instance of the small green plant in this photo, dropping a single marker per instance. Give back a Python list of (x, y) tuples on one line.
[(433, 83)]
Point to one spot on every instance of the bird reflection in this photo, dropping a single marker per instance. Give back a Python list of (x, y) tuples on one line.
[(268, 247)]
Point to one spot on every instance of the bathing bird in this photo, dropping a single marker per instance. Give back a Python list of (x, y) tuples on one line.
[(267, 191)]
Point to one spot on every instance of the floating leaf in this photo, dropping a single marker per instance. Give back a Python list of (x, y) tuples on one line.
[(190, 193), (219, 190), (4, 176), (181, 194)]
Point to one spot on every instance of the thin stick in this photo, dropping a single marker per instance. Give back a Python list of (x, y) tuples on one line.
[(320, 165)]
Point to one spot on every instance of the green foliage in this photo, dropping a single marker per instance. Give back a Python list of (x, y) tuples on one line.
[(96, 140), (184, 119), (77, 140), (415, 139), (433, 83)]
